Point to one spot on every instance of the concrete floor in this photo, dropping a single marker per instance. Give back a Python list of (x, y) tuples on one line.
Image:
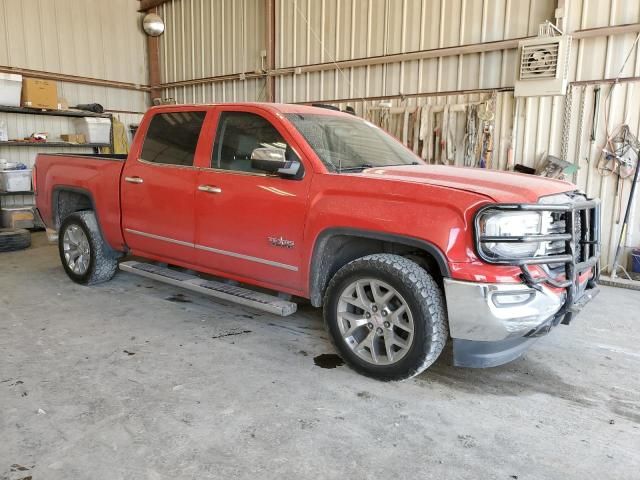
[(126, 380)]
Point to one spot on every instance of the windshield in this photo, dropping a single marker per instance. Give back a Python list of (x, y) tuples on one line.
[(350, 143)]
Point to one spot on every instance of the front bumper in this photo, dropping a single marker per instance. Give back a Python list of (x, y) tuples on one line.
[(492, 324), (490, 312)]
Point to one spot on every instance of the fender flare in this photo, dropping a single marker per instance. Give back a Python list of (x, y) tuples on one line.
[(318, 275), (55, 194)]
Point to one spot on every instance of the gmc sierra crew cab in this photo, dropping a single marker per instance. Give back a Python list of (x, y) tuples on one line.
[(299, 201)]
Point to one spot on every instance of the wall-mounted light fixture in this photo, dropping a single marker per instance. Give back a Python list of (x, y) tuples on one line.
[(153, 25)]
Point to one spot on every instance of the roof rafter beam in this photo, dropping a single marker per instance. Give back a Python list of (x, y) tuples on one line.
[(149, 4)]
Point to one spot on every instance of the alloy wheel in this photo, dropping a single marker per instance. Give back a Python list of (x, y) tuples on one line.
[(375, 321), (77, 251)]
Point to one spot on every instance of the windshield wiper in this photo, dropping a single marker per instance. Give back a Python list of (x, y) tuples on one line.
[(403, 164), (355, 168), (362, 166)]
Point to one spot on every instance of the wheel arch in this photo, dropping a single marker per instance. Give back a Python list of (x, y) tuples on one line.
[(336, 247), (67, 200)]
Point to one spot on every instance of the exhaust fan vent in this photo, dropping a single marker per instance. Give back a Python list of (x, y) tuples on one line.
[(543, 66), (539, 61)]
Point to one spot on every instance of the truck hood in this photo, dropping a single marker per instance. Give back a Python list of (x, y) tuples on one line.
[(502, 187)]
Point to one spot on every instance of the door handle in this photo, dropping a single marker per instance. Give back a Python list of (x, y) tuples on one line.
[(209, 189), (133, 180)]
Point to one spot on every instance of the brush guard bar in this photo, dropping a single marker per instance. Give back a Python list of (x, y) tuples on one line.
[(575, 261)]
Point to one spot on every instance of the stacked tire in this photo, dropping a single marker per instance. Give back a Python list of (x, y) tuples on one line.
[(11, 240)]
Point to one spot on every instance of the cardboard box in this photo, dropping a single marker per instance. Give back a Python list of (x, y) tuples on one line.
[(38, 93), (73, 138), (20, 217)]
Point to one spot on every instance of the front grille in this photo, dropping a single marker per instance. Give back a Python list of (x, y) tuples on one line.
[(558, 225)]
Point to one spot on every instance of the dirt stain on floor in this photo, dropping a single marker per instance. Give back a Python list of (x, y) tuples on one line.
[(328, 360), (231, 334), (178, 298)]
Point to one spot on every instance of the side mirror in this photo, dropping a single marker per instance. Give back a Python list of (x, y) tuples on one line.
[(273, 160)]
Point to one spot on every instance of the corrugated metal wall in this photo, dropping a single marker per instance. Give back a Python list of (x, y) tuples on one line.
[(206, 38), (333, 30), (312, 32), (90, 38)]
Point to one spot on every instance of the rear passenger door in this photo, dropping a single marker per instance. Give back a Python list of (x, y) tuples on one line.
[(158, 187)]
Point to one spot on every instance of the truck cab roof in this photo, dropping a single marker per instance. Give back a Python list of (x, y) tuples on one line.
[(272, 107)]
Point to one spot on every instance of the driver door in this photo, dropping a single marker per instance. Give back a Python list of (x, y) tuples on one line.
[(249, 224)]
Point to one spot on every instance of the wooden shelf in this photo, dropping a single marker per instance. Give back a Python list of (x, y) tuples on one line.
[(55, 113), (53, 144)]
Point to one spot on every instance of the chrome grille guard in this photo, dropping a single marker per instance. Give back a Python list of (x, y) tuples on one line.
[(576, 260)]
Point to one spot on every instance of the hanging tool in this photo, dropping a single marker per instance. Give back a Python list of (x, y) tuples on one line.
[(576, 160), (630, 145), (596, 109), (426, 133), (487, 146), (451, 143), (444, 136), (471, 136), (617, 155), (486, 113)]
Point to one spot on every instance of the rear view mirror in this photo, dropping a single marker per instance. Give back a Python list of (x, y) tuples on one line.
[(273, 160)]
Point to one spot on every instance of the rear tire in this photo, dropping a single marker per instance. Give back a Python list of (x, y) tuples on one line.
[(386, 316), (84, 254), (12, 240)]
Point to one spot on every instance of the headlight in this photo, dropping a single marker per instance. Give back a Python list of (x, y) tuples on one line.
[(495, 223)]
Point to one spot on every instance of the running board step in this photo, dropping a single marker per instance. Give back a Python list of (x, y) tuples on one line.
[(223, 291)]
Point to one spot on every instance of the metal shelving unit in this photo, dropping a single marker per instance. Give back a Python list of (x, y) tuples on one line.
[(53, 144), (6, 194), (54, 113)]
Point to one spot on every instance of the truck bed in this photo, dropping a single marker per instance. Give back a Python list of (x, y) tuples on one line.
[(60, 178)]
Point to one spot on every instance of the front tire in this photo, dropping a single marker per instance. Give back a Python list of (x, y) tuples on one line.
[(386, 316), (85, 256)]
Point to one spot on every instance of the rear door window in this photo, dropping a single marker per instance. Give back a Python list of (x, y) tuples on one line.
[(172, 138)]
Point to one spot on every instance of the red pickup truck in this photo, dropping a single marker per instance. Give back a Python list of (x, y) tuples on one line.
[(310, 202)]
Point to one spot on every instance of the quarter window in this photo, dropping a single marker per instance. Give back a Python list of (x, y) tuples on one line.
[(239, 134), (172, 138)]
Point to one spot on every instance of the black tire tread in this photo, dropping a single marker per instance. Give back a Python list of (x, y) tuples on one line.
[(426, 288), (105, 263), (13, 240)]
